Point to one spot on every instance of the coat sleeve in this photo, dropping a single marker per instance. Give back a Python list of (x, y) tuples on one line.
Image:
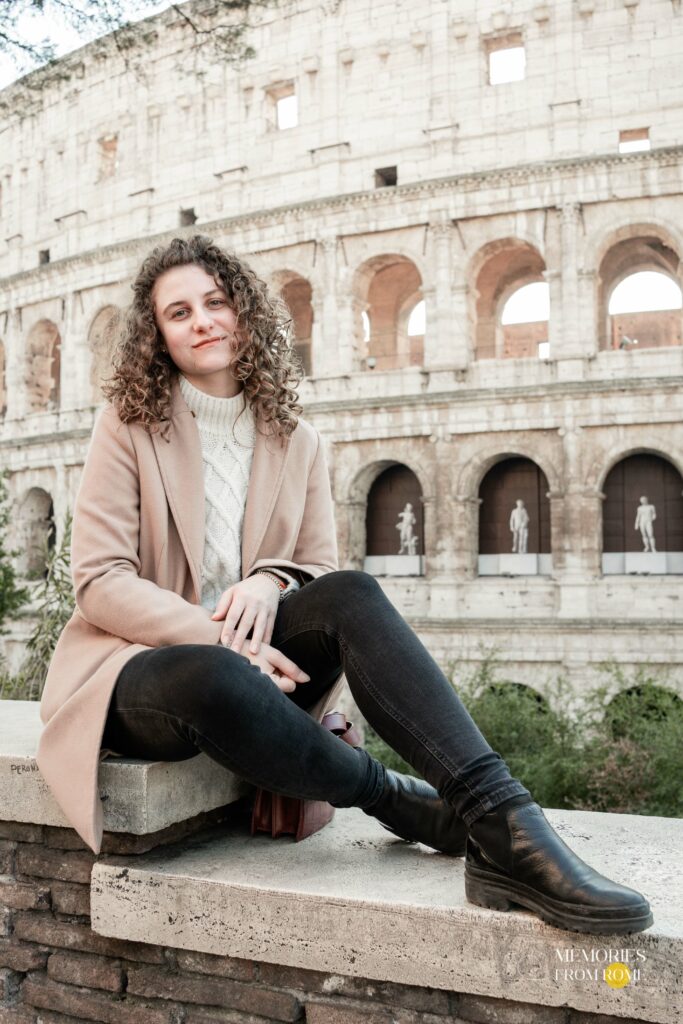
[(315, 552), (105, 564)]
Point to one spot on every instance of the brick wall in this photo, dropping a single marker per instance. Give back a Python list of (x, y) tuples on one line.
[(55, 970)]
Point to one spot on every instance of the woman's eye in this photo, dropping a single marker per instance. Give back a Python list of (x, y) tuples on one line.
[(175, 315), (219, 301)]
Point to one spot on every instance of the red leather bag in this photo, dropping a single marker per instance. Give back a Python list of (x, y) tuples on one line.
[(288, 815)]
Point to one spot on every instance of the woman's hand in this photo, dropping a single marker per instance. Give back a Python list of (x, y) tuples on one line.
[(250, 603), (273, 663)]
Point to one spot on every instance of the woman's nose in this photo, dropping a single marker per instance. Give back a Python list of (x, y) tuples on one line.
[(202, 321)]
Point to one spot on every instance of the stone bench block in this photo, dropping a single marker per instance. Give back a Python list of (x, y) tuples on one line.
[(353, 900), (139, 797)]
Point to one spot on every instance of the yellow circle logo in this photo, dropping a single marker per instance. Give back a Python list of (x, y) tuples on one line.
[(617, 975)]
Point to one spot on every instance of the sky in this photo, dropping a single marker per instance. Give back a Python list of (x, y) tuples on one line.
[(37, 26)]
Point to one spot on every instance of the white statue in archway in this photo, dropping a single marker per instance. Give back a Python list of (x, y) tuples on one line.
[(645, 517), (519, 525), (405, 524)]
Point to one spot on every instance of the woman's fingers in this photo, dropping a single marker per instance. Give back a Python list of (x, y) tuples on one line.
[(258, 632), (224, 602), (284, 683), (287, 667)]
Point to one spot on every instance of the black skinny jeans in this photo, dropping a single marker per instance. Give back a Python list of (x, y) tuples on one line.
[(172, 702)]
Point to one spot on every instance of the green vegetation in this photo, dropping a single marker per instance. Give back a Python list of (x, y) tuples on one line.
[(12, 597), (54, 599), (594, 751)]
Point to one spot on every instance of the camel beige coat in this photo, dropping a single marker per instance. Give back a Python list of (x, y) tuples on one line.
[(138, 537)]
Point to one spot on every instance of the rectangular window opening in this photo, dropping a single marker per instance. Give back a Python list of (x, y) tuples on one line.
[(188, 217), (386, 177), (43, 257), (632, 140), (283, 106), (506, 58)]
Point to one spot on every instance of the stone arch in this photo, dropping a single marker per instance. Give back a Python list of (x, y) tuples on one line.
[(628, 543), (102, 337), (297, 293), (357, 491), (3, 382), (43, 349), (629, 250), (495, 273), (645, 700), (36, 532), (513, 483), (384, 285), (475, 469)]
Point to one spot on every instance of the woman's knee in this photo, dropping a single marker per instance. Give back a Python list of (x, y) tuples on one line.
[(354, 584), (198, 682)]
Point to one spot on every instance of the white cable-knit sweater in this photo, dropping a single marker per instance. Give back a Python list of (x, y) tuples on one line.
[(227, 432)]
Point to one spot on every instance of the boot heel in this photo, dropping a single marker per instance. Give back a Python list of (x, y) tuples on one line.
[(483, 896)]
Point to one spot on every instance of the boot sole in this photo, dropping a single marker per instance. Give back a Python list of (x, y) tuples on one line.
[(488, 890)]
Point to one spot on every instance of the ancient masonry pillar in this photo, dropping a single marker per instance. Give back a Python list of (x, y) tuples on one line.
[(437, 295), (576, 341), (326, 328), (15, 377), (76, 355)]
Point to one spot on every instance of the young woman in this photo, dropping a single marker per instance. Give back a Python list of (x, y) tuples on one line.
[(211, 615)]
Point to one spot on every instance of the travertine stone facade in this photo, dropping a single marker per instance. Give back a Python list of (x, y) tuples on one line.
[(497, 186)]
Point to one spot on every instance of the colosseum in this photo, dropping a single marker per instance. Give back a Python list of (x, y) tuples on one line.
[(461, 238)]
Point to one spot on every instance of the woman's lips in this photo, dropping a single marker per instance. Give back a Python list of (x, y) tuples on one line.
[(209, 341)]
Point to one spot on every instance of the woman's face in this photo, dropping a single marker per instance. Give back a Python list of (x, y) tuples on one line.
[(198, 326)]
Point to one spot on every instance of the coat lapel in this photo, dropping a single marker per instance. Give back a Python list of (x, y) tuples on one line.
[(182, 473)]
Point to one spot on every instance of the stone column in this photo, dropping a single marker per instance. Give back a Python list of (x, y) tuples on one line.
[(326, 335), (15, 367), (76, 355), (575, 343), (438, 296), (466, 537), (351, 534)]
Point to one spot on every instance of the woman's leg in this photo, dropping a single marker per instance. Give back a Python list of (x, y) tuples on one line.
[(170, 703), (513, 856), (344, 617)]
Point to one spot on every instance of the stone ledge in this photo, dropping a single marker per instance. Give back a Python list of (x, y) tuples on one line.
[(139, 797), (354, 901)]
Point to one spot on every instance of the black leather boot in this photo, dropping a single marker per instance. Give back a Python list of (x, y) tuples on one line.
[(514, 856), (413, 810)]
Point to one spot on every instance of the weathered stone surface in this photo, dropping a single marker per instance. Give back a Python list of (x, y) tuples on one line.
[(83, 1003), (145, 981), (40, 928), (86, 970), (143, 797), (23, 895), (21, 956), (353, 901)]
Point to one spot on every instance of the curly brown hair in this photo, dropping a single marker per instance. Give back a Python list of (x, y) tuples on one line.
[(140, 387)]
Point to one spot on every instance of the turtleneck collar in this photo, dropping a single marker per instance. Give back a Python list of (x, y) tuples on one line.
[(213, 415)]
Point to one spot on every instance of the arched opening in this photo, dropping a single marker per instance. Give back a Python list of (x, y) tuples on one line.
[(524, 320), (512, 304), (645, 310), (639, 294), (395, 524), (514, 520), (43, 367), (390, 288), (36, 533), (642, 706), (297, 294), (102, 341), (642, 517)]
